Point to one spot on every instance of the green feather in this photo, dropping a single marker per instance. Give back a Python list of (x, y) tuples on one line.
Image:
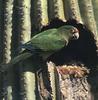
[(48, 40)]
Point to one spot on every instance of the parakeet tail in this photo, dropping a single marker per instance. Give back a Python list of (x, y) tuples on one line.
[(15, 60), (20, 57)]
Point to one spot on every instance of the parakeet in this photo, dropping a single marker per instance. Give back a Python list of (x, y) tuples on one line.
[(47, 42), (52, 40)]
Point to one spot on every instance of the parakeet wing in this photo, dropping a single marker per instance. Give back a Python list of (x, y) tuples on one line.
[(48, 40)]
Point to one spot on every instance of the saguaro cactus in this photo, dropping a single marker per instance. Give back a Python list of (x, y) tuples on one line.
[(27, 79), (88, 15), (36, 14), (1, 42), (56, 9), (72, 10), (40, 14), (8, 11)]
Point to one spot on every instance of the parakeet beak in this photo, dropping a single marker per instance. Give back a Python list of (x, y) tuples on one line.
[(75, 33)]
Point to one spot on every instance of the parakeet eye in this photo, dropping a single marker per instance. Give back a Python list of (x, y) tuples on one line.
[(74, 30)]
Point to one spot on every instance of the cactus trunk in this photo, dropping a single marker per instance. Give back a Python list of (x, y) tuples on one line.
[(21, 19), (8, 11)]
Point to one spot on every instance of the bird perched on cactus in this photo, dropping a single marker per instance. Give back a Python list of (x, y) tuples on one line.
[(47, 42)]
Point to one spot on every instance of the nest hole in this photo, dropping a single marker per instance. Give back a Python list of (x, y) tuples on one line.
[(81, 50), (78, 51)]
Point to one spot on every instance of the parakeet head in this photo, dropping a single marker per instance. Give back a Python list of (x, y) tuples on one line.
[(69, 32)]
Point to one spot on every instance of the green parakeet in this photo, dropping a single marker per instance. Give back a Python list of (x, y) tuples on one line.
[(47, 42)]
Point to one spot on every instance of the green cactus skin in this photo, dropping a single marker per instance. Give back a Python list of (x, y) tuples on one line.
[(1, 49), (86, 9), (40, 13), (27, 79), (72, 10), (95, 9), (56, 9), (87, 13), (8, 11), (54, 81)]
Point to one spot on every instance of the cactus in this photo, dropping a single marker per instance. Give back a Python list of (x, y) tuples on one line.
[(1, 49), (40, 14), (88, 15), (8, 11), (27, 79), (95, 8), (88, 18), (56, 9), (53, 81), (29, 17), (72, 10)]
